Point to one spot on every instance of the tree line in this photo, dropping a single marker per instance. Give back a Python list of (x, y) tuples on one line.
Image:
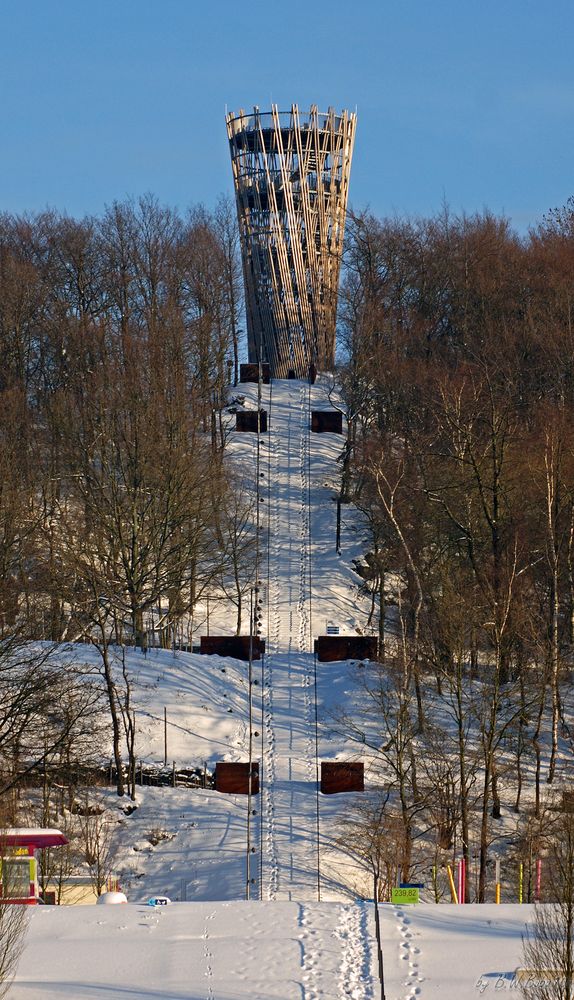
[(459, 382), (118, 338)]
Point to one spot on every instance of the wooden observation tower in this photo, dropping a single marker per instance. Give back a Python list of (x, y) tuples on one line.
[(291, 176)]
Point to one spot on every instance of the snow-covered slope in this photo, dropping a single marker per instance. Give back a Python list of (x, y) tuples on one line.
[(303, 584), (299, 510), (288, 944), (289, 787)]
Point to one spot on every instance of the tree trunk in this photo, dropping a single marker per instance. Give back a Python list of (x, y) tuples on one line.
[(554, 668), (483, 856), (495, 796), (115, 717)]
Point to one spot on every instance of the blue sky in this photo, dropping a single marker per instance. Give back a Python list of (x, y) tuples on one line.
[(469, 102)]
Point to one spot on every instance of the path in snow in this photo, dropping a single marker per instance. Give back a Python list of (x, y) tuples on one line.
[(347, 963), (307, 584), (289, 795), (409, 953)]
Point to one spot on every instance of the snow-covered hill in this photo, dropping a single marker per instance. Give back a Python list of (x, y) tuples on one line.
[(303, 584), (192, 844)]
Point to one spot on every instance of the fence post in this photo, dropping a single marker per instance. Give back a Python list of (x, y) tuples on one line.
[(164, 736), (378, 934)]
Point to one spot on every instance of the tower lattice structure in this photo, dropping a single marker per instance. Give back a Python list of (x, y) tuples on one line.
[(291, 176)]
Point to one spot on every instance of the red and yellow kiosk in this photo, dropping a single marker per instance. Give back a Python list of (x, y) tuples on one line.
[(18, 862)]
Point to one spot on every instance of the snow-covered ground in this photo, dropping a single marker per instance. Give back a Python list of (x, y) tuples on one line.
[(263, 951)]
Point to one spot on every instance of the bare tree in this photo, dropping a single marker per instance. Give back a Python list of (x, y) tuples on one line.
[(371, 834), (237, 518), (548, 946), (97, 841), (13, 928), (227, 231)]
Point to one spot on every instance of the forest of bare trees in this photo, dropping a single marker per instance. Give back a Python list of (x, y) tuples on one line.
[(118, 338), (459, 380)]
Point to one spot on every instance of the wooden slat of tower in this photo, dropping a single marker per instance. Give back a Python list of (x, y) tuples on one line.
[(272, 348), (282, 288), (305, 155), (320, 229), (295, 276), (305, 319)]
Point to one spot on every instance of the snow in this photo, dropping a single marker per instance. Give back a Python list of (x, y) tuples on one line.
[(111, 899), (267, 950), (206, 855), (302, 934), (42, 836)]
